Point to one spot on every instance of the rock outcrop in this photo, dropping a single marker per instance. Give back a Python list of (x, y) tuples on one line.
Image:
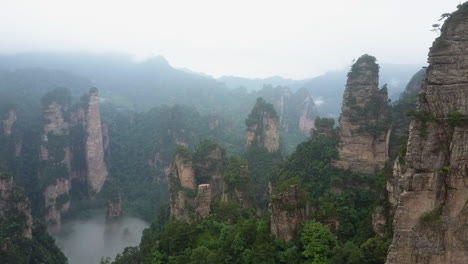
[(8, 122), (365, 121), (14, 206), (289, 211), (182, 187), (72, 147), (57, 201), (184, 171), (429, 186), (196, 181), (97, 169), (296, 111), (308, 113), (55, 154), (263, 127)]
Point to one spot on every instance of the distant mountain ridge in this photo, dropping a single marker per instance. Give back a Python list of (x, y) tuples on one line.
[(327, 89)]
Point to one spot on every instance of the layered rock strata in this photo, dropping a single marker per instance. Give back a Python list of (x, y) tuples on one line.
[(97, 169), (263, 127), (288, 212), (364, 123), (428, 188)]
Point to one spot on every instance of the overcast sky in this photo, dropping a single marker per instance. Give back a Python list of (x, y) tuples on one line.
[(251, 38)]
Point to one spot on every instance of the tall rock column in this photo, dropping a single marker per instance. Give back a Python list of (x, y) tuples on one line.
[(365, 121), (97, 169), (263, 127), (182, 186), (8, 122), (55, 155), (429, 186)]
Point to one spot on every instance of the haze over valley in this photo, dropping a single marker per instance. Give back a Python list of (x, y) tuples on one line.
[(143, 132)]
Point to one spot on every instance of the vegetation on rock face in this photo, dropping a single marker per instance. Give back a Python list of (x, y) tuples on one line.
[(371, 62), (15, 247), (340, 230)]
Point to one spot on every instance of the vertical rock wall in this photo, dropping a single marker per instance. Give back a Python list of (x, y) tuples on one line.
[(429, 187), (364, 123), (97, 169), (263, 127), (288, 212)]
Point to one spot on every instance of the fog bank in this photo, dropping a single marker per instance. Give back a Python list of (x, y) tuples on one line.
[(86, 241)]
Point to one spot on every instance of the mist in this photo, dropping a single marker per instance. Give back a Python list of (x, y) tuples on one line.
[(86, 241)]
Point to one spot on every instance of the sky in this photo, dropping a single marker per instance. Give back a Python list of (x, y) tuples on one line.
[(250, 38)]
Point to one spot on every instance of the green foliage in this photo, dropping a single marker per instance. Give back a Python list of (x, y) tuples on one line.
[(318, 242), (209, 158), (61, 200), (184, 153), (62, 96), (356, 69), (431, 218), (444, 170), (455, 119), (402, 149), (261, 110), (262, 165), (375, 250), (422, 116), (236, 174)]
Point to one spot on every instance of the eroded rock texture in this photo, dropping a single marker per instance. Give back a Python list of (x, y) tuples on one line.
[(56, 156), (57, 201), (8, 122), (288, 212), (429, 187), (72, 148), (263, 127), (97, 169), (364, 124), (182, 188), (296, 110), (196, 181)]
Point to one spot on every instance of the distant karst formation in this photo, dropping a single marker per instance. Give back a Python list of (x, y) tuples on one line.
[(428, 190), (72, 150), (365, 120), (263, 127)]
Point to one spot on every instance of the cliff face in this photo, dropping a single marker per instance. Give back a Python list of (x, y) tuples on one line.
[(184, 172), (57, 201), (263, 127), (364, 122), (288, 212), (196, 181), (14, 206), (308, 113), (72, 147), (209, 168), (182, 188), (237, 185), (8, 122), (295, 110), (97, 169), (55, 153), (429, 185)]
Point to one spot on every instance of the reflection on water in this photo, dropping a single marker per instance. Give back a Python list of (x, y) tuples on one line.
[(85, 242)]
